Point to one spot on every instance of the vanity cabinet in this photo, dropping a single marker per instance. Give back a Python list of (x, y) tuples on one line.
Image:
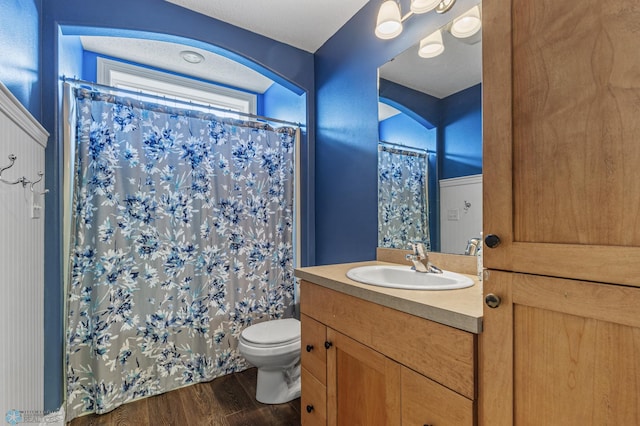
[(560, 352), (380, 366), (561, 211)]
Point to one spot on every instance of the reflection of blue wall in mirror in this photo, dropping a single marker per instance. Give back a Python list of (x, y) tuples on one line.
[(458, 118), (461, 134), (423, 108), (404, 130)]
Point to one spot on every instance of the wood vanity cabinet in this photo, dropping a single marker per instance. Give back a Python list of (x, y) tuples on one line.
[(561, 201), (380, 366)]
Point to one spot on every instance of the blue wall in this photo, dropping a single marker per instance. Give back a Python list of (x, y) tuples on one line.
[(423, 108), (405, 130), (461, 132), (347, 129), (20, 51), (291, 67), (279, 102)]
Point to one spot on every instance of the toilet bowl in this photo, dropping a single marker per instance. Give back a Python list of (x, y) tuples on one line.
[(274, 348)]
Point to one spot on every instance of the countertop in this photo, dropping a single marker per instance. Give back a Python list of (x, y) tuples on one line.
[(460, 308)]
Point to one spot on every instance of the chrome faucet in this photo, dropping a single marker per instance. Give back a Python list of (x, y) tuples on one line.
[(472, 246), (420, 259)]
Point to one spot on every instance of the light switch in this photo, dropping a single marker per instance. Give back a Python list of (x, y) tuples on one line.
[(36, 205)]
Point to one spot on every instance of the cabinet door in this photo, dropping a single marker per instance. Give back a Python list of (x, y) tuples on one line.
[(314, 354), (313, 401), (425, 402), (559, 352), (363, 386), (561, 83)]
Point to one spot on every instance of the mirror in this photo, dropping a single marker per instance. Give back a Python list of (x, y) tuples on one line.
[(430, 146)]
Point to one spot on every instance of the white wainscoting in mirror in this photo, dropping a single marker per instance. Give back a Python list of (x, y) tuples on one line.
[(460, 212)]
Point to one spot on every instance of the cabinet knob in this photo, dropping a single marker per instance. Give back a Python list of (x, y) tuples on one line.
[(492, 300), (309, 408), (309, 348), (327, 344), (492, 241)]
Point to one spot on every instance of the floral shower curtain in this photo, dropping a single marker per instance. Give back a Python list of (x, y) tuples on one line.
[(403, 215), (182, 237)]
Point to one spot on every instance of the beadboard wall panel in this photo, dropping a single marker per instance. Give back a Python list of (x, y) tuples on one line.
[(21, 260)]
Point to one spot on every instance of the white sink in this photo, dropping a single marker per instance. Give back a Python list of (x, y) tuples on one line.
[(406, 278)]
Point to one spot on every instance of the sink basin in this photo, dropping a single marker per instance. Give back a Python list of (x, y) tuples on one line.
[(405, 278)]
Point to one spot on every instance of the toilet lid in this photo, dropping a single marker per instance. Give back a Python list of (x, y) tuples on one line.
[(273, 332)]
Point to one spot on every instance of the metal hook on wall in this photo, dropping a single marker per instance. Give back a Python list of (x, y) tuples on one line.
[(22, 180), (12, 159), (40, 176)]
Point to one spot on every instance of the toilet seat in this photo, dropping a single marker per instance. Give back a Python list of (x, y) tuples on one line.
[(272, 333)]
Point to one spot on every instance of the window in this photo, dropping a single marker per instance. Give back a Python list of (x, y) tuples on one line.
[(169, 86)]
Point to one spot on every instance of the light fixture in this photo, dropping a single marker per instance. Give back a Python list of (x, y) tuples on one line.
[(445, 5), (191, 56), (467, 24), (431, 46), (423, 6), (389, 23)]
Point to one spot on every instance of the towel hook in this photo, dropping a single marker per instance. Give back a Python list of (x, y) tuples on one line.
[(12, 159), (22, 180), (40, 176)]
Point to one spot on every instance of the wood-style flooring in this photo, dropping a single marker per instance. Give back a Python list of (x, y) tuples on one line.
[(225, 401)]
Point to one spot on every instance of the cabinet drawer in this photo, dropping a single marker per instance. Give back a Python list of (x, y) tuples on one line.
[(442, 353), (313, 401), (314, 354), (424, 402)]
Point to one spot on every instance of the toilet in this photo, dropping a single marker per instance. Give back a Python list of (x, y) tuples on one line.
[(274, 348)]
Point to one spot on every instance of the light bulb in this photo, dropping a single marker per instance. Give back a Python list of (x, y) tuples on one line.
[(388, 24), (431, 46), (423, 6), (467, 24)]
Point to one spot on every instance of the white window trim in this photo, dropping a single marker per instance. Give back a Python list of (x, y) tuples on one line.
[(127, 76)]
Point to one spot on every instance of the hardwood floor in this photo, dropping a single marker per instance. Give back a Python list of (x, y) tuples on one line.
[(225, 401)]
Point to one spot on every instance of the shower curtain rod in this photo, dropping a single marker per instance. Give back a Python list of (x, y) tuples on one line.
[(428, 151), (149, 95)]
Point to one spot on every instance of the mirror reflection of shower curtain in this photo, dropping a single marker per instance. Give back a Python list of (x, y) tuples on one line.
[(181, 235), (403, 199)]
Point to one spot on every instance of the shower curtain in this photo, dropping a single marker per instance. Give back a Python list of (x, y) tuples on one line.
[(181, 237), (403, 206)]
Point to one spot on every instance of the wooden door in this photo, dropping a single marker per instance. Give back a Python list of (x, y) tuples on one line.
[(561, 131), (363, 386), (559, 352)]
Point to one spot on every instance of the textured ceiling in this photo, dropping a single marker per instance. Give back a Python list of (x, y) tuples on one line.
[(305, 24), (458, 68), (165, 55)]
